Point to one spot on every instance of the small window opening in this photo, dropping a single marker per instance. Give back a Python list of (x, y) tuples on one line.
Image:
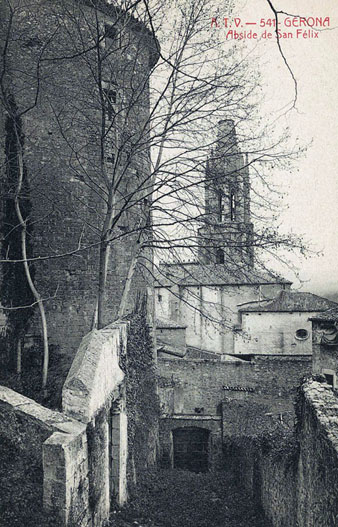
[(232, 206), (302, 334), (220, 256), (220, 205), (110, 32), (111, 158), (159, 298), (111, 99), (329, 379)]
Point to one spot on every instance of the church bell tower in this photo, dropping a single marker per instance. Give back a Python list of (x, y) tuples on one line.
[(227, 234)]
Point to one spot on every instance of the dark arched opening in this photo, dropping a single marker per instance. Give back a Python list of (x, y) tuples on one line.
[(191, 449)]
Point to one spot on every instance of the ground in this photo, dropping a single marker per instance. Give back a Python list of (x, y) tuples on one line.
[(176, 498), (164, 498)]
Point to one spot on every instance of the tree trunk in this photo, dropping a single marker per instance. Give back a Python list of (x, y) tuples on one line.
[(103, 269), (35, 293), (127, 285), (19, 357)]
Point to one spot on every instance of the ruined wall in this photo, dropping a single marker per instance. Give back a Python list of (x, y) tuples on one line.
[(78, 458), (50, 71), (325, 357), (212, 395), (261, 453)]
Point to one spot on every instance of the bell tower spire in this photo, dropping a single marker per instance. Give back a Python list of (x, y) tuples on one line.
[(227, 234)]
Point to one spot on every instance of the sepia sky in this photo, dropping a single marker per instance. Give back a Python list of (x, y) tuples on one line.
[(311, 189)]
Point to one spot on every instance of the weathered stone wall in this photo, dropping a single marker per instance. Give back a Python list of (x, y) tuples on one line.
[(220, 397), (188, 384), (78, 457), (270, 479), (325, 357), (261, 453), (62, 136), (295, 480), (175, 336), (55, 447), (94, 395), (318, 460)]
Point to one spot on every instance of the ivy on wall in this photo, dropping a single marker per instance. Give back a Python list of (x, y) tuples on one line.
[(143, 408)]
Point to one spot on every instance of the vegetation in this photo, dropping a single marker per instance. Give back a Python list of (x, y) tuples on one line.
[(142, 402), (15, 291), (173, 498)]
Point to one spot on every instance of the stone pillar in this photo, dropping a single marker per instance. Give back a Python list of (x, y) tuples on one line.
[(119, 449), (98, 462), (65, 482)]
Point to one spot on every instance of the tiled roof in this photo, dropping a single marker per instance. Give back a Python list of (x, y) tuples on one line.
[(289, 301), (330, 315), (212, 274)]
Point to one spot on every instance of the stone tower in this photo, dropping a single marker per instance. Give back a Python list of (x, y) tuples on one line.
[(83, 124), (226, 237)]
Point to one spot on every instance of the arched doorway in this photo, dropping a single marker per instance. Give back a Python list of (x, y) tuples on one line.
[(191, 449)]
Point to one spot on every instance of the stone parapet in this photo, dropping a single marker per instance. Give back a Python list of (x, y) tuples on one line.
[(95, 375), (79, 457)]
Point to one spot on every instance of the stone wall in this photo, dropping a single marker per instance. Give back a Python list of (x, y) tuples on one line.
[(294, 479), (188, 384), (260, 452), (62, 134), (220, 396), (318, 460), (79, 456), (56, 449), (325, 356)]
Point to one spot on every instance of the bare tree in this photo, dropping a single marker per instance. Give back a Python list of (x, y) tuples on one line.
[(99, 92)]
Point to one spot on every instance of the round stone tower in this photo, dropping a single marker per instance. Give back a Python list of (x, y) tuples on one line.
[(76, 88)]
